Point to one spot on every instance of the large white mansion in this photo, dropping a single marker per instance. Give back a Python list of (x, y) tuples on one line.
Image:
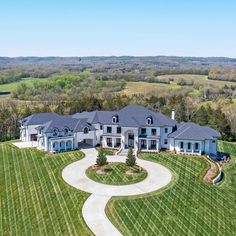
[(132, 126)]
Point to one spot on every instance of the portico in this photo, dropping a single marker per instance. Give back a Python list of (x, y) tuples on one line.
[(61, 144), (187, 146)]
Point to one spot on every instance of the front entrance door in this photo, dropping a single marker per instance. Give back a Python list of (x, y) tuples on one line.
[(131, 140)]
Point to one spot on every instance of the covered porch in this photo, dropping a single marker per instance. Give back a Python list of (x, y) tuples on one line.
[(189, 147), (148, 144), (61, 145), (111, 142)]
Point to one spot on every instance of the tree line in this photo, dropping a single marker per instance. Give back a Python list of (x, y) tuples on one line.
[(221, 118)]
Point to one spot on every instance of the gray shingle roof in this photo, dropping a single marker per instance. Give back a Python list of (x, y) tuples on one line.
[(39, 118), (62, 122), (192, 131), (129, 116)]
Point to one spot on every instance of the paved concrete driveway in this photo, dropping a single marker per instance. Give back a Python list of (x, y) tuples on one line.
[(30, 144), (94, 208)]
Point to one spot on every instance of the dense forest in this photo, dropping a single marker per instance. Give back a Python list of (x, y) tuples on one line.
[(69, 85)]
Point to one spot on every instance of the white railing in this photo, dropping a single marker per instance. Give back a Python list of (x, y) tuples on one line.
[(219, 175), (119, 151), (136, 152)]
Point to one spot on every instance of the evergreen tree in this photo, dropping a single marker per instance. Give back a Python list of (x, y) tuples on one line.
[(131, 160), (201, 116), (101, 159)]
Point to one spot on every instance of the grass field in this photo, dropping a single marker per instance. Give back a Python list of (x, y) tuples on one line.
[(12, 86), (161, 89), (150, 88), (188, 207), (34, 198), (116, 175), (199, 79)]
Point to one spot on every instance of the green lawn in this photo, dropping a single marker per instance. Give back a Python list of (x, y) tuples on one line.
[(187, 207), (34, 198), (12, 86), (116, 175)]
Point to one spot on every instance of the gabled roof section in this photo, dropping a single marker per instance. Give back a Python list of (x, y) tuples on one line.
[(140, 115), (192, 131), (39, 118), (62, 122), (90, 116), (129, 116)]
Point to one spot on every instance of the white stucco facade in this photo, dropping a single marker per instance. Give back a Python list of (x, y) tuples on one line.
[(132, 127)]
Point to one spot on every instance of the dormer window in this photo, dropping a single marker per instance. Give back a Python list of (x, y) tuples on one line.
[(149, 120), (115, 119), (86, 130), (66, 131), (55, 132)]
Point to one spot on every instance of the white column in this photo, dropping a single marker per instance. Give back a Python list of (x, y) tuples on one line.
[(185, 147), (147, 144), (192, 144), (113, 142), (200, 148)]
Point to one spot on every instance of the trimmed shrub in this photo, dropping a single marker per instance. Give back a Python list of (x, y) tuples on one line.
[(101, 159), (131, 160)]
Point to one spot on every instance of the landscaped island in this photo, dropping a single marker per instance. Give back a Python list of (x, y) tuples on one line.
[(116, 174)]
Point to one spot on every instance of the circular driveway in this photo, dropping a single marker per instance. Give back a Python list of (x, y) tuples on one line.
[(94, 208)]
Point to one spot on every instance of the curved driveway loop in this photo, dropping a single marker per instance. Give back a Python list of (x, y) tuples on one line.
[(94, 208)]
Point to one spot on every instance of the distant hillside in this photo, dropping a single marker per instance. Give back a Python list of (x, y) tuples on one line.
[(163, 61)]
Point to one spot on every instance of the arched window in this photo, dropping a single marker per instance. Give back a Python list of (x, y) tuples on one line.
[(115, 119), (66, 131), (86, 130), (149, 120), (55, 132)]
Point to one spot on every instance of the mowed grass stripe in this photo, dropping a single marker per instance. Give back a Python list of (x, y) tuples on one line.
[(35, 199), (42, 191), (188, 207), (61, 200), (8, 213), (34, 196), (74, 200), (46, 189), (26, 210)]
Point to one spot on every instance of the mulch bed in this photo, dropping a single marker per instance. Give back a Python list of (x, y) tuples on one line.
[(210, 173)]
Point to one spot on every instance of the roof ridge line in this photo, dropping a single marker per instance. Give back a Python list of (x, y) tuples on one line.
[(183, 131)]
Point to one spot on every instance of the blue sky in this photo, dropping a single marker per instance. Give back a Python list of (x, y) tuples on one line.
[(118, 27)]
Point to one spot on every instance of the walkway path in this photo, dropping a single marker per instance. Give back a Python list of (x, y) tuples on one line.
[(94, 208)]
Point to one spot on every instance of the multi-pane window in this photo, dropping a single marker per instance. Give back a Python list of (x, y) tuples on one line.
[(153, 144), (165, 141), (196, 146), (154, 131), (109, 142), (86, 130), (143, 143), (117, 142), (143, 131), (109, 129), (181, 145), (118, 130), (189, 145), (166, 130)]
